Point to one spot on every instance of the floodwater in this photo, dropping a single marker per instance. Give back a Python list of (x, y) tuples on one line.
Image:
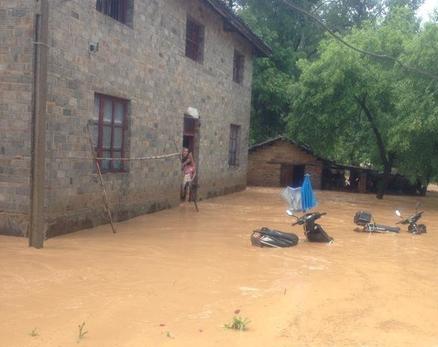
[(174, 278)]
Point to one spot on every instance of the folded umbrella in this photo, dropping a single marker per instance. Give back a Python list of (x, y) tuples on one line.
[(308, 199)]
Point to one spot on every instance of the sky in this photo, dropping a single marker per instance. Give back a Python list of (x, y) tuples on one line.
[(427, 9)]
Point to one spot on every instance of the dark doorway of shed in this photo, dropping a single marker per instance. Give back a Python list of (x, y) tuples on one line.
[(298, 176), (292, 175)]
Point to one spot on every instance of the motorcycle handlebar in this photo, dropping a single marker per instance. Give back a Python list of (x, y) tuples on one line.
[(304, 218)]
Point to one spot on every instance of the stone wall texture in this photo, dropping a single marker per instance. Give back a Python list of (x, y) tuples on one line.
[(264, 164), (144, 63), (16, 22)]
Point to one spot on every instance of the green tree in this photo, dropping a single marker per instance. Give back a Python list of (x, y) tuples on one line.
[(345, 102), (416, 131), (291, 37)]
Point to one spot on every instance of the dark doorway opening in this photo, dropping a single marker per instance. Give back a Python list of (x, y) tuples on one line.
[(292, 175), (191, 141), (298, 176), (189, 134)]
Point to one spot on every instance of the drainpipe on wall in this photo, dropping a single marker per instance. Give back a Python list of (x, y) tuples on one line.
[(39, 100)]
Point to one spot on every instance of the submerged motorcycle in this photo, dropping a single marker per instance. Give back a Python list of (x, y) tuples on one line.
[(266, 237), (413, 227), (313, 231), (366, 220)]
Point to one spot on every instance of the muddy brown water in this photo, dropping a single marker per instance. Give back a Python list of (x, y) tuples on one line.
[(174, 278)]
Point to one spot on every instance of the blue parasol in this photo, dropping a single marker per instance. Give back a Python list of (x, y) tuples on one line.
[(308, 199)]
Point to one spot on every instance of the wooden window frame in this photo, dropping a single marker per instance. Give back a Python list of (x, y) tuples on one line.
[(238, 67), (116, 9), (234, 148), (101, 124), (195, 34)]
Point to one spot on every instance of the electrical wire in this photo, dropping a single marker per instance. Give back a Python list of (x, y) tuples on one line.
[(371, 54)]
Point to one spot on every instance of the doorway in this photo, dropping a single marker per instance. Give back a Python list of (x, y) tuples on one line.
[(298, 173), (292, 175), (191, 136), (191, 141), (189, 133), (286, 175)]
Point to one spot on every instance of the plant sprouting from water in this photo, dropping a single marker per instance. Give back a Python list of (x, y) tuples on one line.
[(34, 333), (82, 332), (238, 323)]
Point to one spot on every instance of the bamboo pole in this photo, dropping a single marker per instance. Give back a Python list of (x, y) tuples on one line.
[(102, 184)]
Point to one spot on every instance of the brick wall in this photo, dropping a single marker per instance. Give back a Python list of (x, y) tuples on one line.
[(16, 22), (145, 64), (264, 164)]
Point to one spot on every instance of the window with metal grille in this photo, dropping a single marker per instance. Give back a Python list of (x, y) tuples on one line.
[(233, 153), (109, 131), (238, 67), (194, 40), (120, 10)]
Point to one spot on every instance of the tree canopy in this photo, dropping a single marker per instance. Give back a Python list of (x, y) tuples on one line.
[(348, 106)]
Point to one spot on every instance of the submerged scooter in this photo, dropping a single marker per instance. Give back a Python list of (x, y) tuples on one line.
[(413, 227), (366, 220), (266, 237), (313, 231)]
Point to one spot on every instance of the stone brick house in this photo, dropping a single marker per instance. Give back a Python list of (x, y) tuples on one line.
[(281, 162), (145, 76)]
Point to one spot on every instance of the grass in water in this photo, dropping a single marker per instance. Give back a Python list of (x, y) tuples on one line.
[(82, 332), (238, 323), (34, 333)]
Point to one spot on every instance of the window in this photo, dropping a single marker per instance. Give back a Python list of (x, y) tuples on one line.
[(233, 154), (238, 67), (120, 10), (194, 41), (109, 131)]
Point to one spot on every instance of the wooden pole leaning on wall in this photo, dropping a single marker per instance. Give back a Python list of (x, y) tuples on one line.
[(102, 183), (38, 223)]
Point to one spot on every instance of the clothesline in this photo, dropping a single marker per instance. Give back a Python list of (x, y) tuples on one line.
[(164, 156)]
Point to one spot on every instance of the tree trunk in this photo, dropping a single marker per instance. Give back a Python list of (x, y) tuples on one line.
[(381, 188), (422, 188), (384, 156)]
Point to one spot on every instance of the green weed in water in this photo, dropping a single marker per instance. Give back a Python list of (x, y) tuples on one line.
[(34, 333), (238, 323)]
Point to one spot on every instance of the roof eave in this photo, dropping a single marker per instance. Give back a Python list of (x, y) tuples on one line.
[(261, 49)]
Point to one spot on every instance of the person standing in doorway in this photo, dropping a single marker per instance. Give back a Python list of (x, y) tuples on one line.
[(188, 169)]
